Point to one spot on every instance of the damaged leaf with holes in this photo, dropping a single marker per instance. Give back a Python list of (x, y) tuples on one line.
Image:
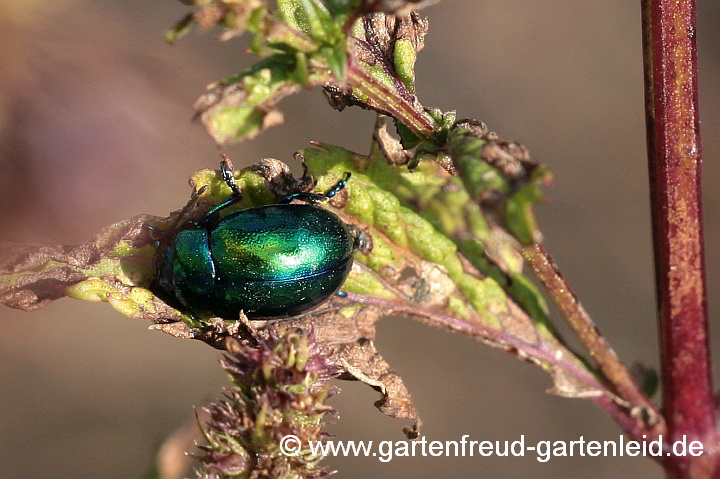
[(438, 255), (301, 44), (362, 53)]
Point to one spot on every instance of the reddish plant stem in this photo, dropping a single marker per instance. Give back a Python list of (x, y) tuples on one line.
[(674, 154), (601, 352)]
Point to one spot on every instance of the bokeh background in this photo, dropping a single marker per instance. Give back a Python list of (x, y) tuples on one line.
[(95, 127)]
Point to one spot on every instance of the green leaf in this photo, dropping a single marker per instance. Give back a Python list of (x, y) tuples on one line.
[(242, 106), (234, 15), (404, 59), (291, 12), (455, 206), (499, 174), (518, 212), (325, 50), (407, 136)]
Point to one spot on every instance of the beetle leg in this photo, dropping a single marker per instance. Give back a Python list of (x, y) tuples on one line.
[(362, 241), (226, 171), (314, 197), (309, 197), (229, 202)]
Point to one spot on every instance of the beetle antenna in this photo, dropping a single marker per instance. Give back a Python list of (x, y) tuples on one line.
[(340, 185), (194, 198), (157, 233)]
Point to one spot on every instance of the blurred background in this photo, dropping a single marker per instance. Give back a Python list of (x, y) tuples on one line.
[(95, 128)]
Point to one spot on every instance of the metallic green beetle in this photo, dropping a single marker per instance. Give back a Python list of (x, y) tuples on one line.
[(270, 261)]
